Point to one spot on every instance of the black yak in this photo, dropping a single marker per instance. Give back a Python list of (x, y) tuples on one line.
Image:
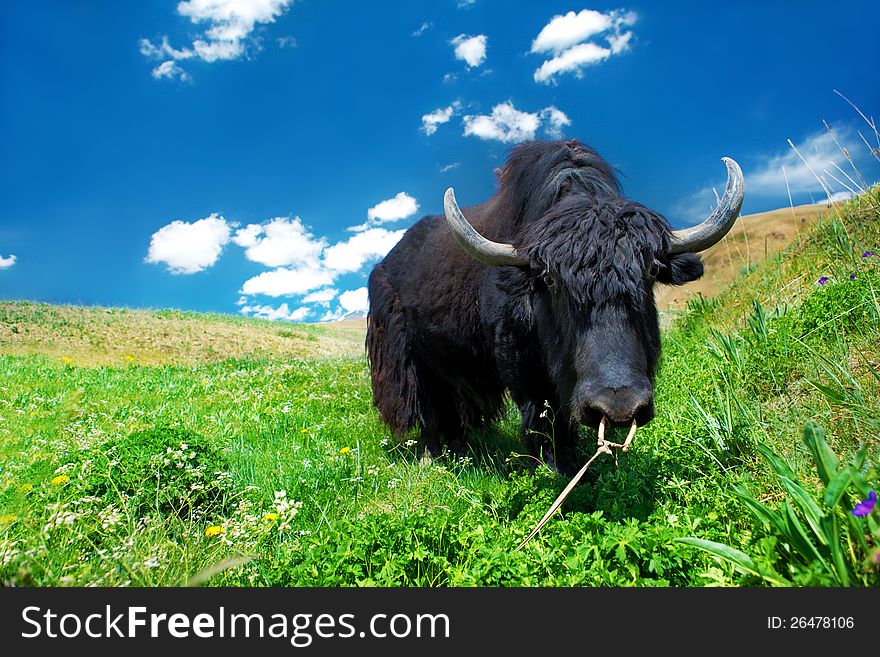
[(545, 291)]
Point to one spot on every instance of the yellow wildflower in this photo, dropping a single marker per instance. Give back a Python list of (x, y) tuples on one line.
[(345, 450), (60, 479), (67, 359), (213, 530), (270, 517), (24, 488), (303, 430), (8, 519)]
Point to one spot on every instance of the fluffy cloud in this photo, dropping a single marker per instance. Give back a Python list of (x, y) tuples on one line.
[(303, 265), (187, 248), (354, 300), (820, 151), (556, 120), (6, 263), (228, 26), (282, 312), (509, 125), (393, 209), (323, 297), (470, 49), (171, 70), (506, 124), (317, 276), (353, 253), (566, 37), (439, 116), (279, 242), (287, 282), (565, 31), (766, 178), (574, 59)]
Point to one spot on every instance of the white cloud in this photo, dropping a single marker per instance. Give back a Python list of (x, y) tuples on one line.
[(509, 125), (324, 296), (284, 281), (281, 313), (6, 263), (766, 179), (187, 248), (565, 31), (465, 4), (286, 42), (163, 50), (393, 209), (439, 116), (556, 119), (424, 27), (449, 167), (819, 150), (506, 124), (836, 197), (574, 59), (353, 253), (470, 49), (280, 241), (354, 300), (171, 70), (228, 27), (566, 36), (620, 42)]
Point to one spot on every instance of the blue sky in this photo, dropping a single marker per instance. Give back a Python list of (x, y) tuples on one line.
[(259, 156)]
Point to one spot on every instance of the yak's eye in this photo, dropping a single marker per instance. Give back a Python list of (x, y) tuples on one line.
[(548, 279), (654, 270)]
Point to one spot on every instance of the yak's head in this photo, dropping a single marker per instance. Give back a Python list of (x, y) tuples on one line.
[(591, 260)]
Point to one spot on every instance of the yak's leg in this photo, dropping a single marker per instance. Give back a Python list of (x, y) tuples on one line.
[(549, 436), (442, 427), (444, 434)]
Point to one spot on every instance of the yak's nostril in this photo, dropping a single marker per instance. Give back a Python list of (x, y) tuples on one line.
[(620, 405)]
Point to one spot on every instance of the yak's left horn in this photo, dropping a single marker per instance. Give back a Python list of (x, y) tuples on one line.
[(704, 235), (486, 251)]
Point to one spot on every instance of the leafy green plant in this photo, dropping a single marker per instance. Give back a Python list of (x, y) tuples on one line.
[(819, 537), (165, 469)]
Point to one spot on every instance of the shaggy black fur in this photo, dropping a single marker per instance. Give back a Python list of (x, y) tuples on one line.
[(572, 337)]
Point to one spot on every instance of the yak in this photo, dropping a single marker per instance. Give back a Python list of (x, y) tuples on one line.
[(545, 292)]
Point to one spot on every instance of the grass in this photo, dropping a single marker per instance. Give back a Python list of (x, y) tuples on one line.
[(121, 336), (142, 448)]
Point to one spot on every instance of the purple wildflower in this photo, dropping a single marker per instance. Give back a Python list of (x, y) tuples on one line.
[(823, 280), (868, 254), (867, 505), (852, 277)]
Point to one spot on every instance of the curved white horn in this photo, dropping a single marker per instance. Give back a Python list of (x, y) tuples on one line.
[(486, 251), (704, 235)]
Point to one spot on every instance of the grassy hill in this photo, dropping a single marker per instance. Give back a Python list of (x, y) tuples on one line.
[(753, 238), (163, 448), (95, 337)]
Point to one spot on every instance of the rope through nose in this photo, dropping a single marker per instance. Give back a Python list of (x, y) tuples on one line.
[(604, 447)]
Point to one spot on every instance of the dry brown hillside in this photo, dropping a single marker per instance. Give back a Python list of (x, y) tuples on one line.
[(93, 336), (752, 238)]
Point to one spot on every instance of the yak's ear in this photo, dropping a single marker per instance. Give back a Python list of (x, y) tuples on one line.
[(681, 269)]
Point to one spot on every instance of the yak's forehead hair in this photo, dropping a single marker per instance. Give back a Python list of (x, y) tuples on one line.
[(538, 173), (598, 252)]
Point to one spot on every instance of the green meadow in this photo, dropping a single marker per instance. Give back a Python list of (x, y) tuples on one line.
[(165, 449)]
